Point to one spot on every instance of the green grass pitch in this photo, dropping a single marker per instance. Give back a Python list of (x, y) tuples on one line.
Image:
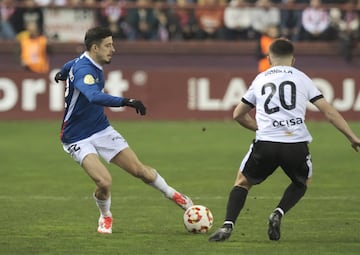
[(46, 204)]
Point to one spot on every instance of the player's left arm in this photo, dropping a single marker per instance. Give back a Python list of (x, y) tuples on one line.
[(88, 86), (338, 121), (242, 116), (95, 96)]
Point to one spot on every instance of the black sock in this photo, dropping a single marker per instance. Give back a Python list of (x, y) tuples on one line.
[(291, 196), (235, 203)]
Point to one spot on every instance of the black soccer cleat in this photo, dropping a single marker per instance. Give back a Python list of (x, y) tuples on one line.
[(274, 226), (221, 235)]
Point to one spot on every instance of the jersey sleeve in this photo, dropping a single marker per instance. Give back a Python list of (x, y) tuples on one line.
[(314, 93), (249, 97), (67, 66), (86, 84)]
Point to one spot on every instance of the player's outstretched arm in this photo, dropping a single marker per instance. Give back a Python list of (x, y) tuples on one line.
[(338, 121)]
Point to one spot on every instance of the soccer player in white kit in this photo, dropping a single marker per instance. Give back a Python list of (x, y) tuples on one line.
[(86, 133), (279, 95)]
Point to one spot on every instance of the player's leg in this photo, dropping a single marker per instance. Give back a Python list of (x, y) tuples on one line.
[(128, 160), (84, 153), (256, 166), (296, 163), (102, 178), (292, 195), (236, 202)]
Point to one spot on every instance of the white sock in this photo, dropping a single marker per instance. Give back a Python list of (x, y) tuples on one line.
[(104, 206), (161, 185)]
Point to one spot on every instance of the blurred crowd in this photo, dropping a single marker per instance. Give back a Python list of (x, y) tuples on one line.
[(180, 20), (167, 20)]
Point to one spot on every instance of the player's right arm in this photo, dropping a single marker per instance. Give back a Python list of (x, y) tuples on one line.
[(242, 116), (64, 72), (338, 121)]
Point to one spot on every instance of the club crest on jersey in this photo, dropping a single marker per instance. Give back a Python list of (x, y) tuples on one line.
[(89, 79)]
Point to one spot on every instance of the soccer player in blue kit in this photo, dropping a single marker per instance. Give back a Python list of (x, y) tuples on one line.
[(279, 95), (86, 133)]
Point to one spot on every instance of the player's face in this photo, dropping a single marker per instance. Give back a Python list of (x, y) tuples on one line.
[(105, 50)]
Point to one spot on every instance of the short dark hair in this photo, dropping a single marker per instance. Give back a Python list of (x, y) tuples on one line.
[(281, 47), (95, 35)]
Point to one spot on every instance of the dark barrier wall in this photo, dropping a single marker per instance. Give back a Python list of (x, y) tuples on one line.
[(176, 81)]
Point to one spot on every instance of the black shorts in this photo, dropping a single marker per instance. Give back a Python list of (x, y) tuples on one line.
[(265, 157)]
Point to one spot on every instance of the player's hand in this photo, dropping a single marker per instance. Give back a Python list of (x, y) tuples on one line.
[(59, 77), (137, 104)]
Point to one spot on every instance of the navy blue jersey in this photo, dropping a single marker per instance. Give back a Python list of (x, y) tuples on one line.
[(85, 100)]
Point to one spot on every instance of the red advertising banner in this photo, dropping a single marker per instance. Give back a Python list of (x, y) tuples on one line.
[(169, 94)]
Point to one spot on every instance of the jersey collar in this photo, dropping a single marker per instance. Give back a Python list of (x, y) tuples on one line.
[(86, 54)]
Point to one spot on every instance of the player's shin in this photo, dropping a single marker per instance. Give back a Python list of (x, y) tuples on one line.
[(178, 198), (237, 198), (160, 184), (292, 195)]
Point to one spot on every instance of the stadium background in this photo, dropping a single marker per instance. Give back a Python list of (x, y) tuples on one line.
[(177, 80)]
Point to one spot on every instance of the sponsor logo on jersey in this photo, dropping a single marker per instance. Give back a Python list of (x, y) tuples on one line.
[(288, 123), (89, 79)]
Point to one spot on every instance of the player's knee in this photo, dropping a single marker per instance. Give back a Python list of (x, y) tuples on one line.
[(242, 181), (104, 183)]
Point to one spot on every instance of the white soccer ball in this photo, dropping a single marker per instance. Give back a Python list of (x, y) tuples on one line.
[(198, 219)]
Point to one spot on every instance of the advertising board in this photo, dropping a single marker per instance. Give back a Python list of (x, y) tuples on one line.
[(171, 94)]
